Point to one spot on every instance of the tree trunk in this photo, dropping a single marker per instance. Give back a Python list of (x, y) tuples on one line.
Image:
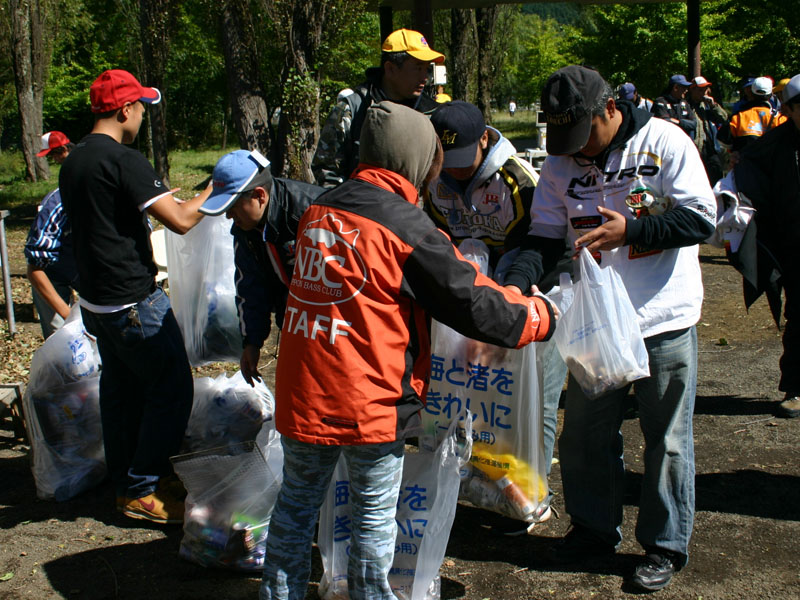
[(486, 21), (153, 25), (462, 46), (248, 108), (30, 60)]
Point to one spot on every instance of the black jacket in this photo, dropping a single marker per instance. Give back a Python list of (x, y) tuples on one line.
[(265, 259), (768, 174), (667, 107)]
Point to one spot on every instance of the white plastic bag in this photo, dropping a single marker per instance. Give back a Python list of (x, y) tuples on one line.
[(599, 336), (203, 291), (231, 494), (62, 413), (425, 512), (227, 411), (734, 213)]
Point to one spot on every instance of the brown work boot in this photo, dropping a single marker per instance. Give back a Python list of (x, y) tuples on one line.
[(164, 509), (790, 407)]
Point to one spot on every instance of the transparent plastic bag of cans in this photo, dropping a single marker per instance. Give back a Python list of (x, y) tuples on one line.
[(425, 512), (599, 336), (502, 390), (202, 291), (62, 413), (227, 411), (231, 492)]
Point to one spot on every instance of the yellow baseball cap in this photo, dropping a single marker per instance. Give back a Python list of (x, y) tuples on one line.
[(780, 85), (412, 42)]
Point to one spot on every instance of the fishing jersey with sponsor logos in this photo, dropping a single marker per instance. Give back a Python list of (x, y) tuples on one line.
[(371, 270), (494, 207), (660, 162)]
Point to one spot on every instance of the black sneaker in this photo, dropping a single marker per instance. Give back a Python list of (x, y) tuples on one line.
[(655, 572), (580, 544)]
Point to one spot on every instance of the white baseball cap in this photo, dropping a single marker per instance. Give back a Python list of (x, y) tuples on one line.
[(762, 86)]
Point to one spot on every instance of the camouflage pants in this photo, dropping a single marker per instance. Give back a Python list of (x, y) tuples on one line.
[(375, 473)]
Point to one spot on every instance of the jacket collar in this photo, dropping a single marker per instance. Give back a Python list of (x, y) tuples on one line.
[(387, 180)]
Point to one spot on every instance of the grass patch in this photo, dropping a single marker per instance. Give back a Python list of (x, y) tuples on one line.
[(519, 129)]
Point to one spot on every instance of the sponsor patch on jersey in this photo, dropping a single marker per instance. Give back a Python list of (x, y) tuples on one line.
[(491, 199), (635, 251), (586, 222)]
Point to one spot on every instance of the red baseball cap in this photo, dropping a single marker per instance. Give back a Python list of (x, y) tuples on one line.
[(115, 88), (52, 140)]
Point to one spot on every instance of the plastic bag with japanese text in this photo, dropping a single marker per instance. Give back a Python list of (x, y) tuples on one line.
[(202, 291), (231, 492), (62, 413), (599, 336), (425, 512), (502, 390), (227, 411)]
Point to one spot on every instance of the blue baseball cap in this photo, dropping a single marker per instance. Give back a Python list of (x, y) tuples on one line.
[(627, 91), (680, 80), (235, 173)]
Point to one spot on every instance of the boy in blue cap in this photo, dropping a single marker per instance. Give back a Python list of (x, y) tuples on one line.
[(265, 213)]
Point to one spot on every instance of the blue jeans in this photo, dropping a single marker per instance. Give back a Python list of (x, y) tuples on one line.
[(375, 472), (591, 448), (554, 372), (146, 392), (49, 319)]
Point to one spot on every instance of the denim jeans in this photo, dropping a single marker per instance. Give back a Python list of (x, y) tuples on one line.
[(591, 449), (49, 319), (375, 472), (146, 392), (554, 372)]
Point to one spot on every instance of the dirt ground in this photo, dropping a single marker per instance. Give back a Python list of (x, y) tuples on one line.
[(746, 538)]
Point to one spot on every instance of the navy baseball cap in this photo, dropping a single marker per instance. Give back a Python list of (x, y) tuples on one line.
[(235, 173), (567, 101), (627, 91), (459, 126), (680, 80)]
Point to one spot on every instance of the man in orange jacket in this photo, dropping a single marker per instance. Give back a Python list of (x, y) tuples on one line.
[(351, 379)]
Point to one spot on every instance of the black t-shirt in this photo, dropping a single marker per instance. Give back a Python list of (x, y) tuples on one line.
[(103, 186)]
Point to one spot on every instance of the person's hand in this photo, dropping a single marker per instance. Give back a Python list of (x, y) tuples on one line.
[(513, 288), (607, 236), (249, 364), (535, 292)]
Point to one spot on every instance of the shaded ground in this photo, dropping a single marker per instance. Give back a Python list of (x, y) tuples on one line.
[(747, 531)]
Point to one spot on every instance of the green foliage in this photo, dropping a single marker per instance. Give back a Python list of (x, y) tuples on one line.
[(196, 94), (642, 43), (535, 48), (344, 58)]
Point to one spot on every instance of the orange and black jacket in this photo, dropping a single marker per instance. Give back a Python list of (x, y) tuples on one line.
[(371, 270), (750, 123)]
